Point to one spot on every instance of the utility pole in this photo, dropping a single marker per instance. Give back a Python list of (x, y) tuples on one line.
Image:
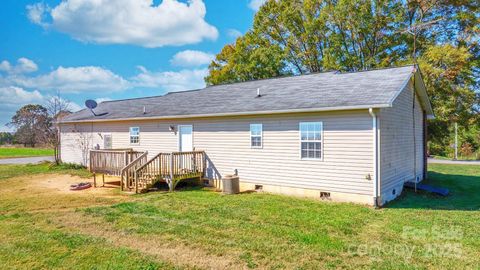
[(456, 141)]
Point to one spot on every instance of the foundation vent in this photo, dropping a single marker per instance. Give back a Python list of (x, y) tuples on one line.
[(258, 188), (325, 195)]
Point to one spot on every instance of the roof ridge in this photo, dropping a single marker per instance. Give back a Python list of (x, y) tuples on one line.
[(183, 91), (255, 80), (125, 99), (376, 69), (310, 73)]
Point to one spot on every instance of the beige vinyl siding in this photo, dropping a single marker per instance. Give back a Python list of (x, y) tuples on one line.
[(347, 141), (397, 141)]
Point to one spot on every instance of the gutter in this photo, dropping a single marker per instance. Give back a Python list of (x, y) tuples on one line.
[(324, 109), (376, 155)]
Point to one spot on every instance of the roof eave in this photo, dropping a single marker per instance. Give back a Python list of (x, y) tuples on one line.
[(324, 109), (422, 91)]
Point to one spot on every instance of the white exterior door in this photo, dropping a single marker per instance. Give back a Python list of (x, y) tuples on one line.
[(185, 141)]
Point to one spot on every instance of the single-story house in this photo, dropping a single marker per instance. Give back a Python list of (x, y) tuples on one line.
[(353, 136)]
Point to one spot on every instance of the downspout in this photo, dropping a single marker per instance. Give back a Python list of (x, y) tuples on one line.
[(375, 156)]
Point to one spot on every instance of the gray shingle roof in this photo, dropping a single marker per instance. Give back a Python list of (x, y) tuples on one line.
[(319, 91)]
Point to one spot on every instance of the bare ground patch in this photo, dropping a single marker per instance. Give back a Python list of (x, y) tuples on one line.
[(50, 196), (51, 192)]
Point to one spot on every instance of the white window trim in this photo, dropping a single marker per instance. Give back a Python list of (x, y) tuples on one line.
[(321, 141), (111, 137), (130, 136), (261, 136)]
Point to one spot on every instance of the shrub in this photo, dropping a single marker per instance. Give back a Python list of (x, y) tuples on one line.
[(68, 166)]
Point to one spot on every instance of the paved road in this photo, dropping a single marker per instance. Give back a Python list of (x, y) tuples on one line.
[(446, 161), (25, 160)]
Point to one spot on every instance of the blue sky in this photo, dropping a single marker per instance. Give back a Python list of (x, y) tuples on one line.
[(103, 50)]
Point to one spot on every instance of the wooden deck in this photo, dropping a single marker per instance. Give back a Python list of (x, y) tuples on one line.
[(139, 174), (111, 161)]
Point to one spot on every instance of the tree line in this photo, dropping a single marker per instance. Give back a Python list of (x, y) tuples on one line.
[(292, 37)]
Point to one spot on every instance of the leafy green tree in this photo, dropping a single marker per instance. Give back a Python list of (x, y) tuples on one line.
[(247, 59), (6, 138), (33, 125)]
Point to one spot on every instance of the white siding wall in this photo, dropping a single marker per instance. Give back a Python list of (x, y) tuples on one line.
[(348, 148), (397, 144)]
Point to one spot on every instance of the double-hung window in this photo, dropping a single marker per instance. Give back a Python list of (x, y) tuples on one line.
[(134, 135), (311, 140), (256, 131)]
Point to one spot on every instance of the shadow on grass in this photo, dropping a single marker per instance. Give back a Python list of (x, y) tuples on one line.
[(464, 194), (188, 184)]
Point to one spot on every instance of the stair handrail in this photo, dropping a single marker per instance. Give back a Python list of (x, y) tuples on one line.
[(148, 162), (168, 169), (163, 153), (130, 165)]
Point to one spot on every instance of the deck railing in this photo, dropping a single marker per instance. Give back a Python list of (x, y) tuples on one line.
[(111, 161), (187, 164), (128, 174), (171, 168)]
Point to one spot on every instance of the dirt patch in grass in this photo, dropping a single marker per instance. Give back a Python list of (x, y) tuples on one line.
[(61, 183), (51, 192), (48, 198)]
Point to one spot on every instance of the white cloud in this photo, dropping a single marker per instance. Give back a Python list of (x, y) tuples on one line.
[(93, 80), (191, 58), (5, 66), (171, 80), (256, 4), (12, 98), (75, 80), (36, 13), (12, 95), (24, 65), (137, 22), (234, 33), (74, 107)]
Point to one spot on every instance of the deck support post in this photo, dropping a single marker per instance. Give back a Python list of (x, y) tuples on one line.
[(103, 180), (136, 181), (94, 180), (204, 163), (171, 184), (121, 182)]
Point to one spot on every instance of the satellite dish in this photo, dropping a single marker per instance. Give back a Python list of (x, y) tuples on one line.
[(91, 104)]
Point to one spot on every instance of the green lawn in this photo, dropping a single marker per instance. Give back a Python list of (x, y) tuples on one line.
[(474, 156), (9, 171), (24, 152), (198, 228)]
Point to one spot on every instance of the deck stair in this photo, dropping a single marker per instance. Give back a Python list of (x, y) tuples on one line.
[(170, 168)]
